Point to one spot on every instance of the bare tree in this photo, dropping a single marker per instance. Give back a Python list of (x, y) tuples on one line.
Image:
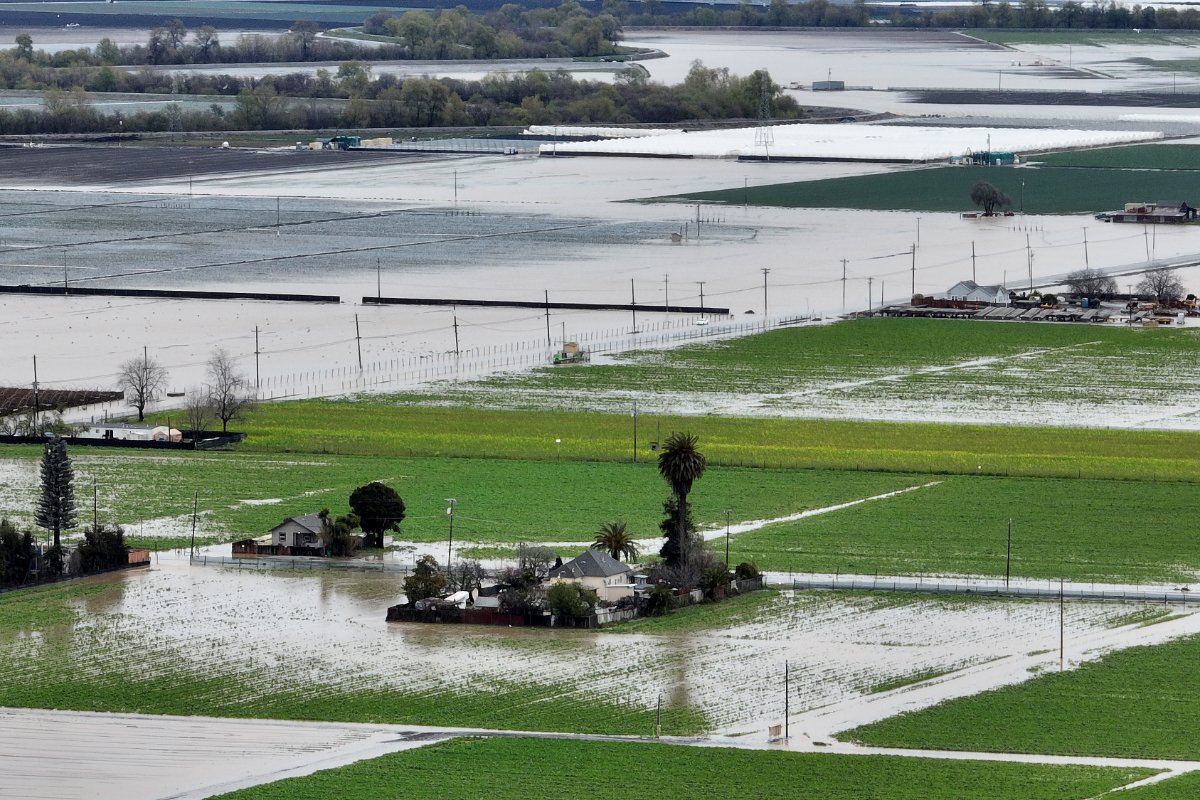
[(1164, 284), (141, 379), (198, 411), (305, 32), (1091, 283), (228, 390), (466, 576)]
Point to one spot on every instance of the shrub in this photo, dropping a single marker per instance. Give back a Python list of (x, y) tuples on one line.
[(746, 571), (659, 600), (570, 600)]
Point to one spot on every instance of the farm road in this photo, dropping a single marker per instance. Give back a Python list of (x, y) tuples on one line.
[(148, 757)]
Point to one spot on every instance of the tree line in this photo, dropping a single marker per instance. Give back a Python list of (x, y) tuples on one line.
[(825, 14), (352, 97), (456, 33)]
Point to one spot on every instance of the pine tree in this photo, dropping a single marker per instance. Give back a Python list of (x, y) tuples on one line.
[(56, 506)]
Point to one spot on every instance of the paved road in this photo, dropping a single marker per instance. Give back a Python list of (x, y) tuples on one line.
[(146, 757), (67, 755)]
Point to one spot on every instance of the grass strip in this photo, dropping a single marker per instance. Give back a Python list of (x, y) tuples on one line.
[(462, 767), (1131, 703)]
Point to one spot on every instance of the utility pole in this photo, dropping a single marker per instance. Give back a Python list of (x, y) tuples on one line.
[(548, 342), (1029, 260), (697, 220), (764, 272), (195, 510), (1062, 629), (257, 379), (728, 512), (1085, 252), (843, 284), (1008, 557), (914, 261), (358, 341), (787, 707), (870, 297), (277, 218), (666, 297), (36, 428), (96, 497), (973, 262), (456, 351), (456, 187), (635, 412), (701, 296), (633, 305), (378, 279), (450, 546)]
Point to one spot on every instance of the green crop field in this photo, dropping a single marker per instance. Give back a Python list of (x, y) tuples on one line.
[(1047, 190), (1147, 156), (794, 372), (498, 500), (1136, 702), (460, 767), (1078, 529), (793, 369)]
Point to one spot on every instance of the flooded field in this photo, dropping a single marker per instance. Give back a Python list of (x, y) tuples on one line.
[(245, 631)]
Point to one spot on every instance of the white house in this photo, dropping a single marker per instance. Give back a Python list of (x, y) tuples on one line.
[(302, 531), (597, 570), (972, 292)]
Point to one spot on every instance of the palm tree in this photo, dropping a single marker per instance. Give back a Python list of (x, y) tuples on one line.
[(614, 539), (681, 465)]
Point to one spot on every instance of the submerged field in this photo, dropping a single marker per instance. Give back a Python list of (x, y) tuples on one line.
[(175, 640), (1046, 190), (886, 369), (682, 773)]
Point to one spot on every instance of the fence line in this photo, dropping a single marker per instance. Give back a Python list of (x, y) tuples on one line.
[(994, 588), (398, 373), (299, 564)]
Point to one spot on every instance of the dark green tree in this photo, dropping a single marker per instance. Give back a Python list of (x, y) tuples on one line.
[(426, 580), (103, 549), (614, 538), (337, 534), (16, 554), (681, 465), (379, 509), (56, 504), (569, 599)]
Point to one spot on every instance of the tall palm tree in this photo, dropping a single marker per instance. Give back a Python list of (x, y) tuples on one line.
[(681, 465), (614, 539)]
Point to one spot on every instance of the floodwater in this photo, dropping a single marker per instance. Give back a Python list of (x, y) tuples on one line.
[(311, 629)]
